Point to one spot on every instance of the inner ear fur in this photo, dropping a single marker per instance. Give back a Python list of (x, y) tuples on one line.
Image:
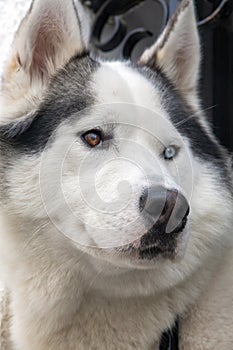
[(48, 37)]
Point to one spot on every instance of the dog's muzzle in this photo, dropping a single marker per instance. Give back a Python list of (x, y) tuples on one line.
[(165, 214)]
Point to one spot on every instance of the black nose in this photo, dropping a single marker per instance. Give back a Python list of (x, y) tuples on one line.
[(164, 210)]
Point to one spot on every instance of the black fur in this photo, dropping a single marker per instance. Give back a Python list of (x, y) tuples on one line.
[(68, 93), (16, 129), (186, 121)]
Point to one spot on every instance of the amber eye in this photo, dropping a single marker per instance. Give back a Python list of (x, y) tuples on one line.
[(93, 138)]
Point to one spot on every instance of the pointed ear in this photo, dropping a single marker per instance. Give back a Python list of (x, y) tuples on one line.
[(47, 38), (177, 51)]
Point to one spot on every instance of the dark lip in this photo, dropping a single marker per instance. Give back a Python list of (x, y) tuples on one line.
[(154, 244), (153, 252), (150, 252), (164, 248)]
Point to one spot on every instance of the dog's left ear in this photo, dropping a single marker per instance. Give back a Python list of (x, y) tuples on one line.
[(177, 51)]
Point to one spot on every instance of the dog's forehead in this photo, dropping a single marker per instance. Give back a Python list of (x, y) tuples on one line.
[(119, 82)]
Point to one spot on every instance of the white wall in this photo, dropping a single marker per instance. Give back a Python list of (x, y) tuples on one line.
[(11, 13)]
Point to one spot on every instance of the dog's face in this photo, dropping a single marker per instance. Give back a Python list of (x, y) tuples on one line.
[(117, 157), (118, 170)]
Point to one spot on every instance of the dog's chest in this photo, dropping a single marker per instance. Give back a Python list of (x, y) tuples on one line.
[(117, 325)]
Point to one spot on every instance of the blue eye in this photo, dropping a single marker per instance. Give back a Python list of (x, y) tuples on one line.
[(170, 152)]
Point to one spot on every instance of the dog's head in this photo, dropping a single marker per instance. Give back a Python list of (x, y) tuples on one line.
[(116, 156)]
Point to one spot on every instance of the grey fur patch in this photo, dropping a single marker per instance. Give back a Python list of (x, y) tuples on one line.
[(202, 145), (68, 93)]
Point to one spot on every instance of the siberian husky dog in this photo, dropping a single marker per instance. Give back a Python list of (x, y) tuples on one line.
[(116, 197)]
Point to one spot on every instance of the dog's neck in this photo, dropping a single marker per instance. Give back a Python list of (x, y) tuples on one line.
[(55, 288)]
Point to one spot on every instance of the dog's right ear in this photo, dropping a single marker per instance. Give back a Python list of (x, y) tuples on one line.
[(48, 37), (176, 53)]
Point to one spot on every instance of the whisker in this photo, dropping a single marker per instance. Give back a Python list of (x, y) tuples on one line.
[(194, 115)]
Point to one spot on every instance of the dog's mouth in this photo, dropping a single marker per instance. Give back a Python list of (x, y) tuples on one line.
[(156, 243), (152, 252)]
